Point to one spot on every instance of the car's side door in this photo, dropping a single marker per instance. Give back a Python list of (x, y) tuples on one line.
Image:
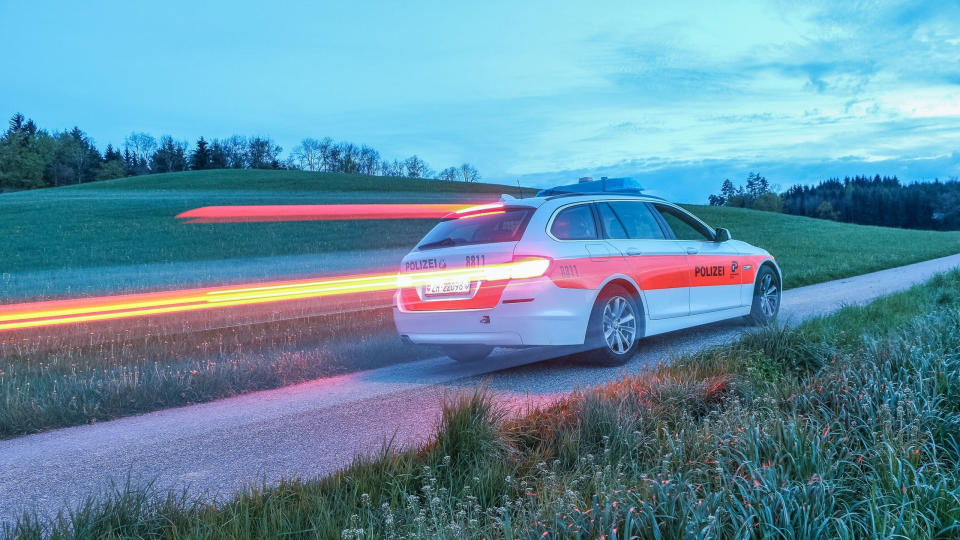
[(659, 266), (714, 267), (582, 255)]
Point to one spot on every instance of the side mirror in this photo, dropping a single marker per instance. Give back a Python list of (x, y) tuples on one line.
[(722, 235)]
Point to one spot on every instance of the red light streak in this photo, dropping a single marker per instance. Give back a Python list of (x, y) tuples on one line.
[(59, 312), (321, 212)]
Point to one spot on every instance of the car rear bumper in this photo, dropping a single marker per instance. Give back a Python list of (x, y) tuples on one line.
[(531, 312)]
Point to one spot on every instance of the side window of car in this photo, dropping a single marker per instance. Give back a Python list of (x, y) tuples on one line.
[(574, 223), (683, 226), (611, 223), (639, 222)]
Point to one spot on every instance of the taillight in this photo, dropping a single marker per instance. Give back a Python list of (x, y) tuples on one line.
[(523, 268), (527, 267)]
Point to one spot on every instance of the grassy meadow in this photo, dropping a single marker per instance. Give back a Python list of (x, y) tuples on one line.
[(84, 226), (44, 387), (846, 426), (816, 250), (132, 220)]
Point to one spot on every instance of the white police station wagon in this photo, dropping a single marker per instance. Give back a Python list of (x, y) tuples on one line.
[(594, 263)]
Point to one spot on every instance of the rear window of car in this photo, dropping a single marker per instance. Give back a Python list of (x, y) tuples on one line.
[(505, 225), (574, 223)]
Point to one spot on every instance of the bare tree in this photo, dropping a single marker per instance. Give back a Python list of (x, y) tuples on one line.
[(450, 174), (469, 173), (367, 160), (235, 150), (323, 147), (348, 158), (308, 155), (141, 145), (263, 153), (391, 168), (416, 167)]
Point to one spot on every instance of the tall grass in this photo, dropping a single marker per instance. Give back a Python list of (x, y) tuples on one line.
[(42, 389), (807, 432)]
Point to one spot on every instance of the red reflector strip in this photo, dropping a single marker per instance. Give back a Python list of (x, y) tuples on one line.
[(517, 301)]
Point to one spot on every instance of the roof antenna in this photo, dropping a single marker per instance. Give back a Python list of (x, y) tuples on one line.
[(519, 189)]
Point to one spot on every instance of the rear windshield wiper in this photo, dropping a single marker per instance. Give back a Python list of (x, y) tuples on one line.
[(439, 243)]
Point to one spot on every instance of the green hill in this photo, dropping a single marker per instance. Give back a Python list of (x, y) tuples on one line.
[(815, 250), (131, 221), (269, 180)]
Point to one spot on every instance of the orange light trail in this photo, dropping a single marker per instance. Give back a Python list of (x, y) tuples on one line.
[(59, 312), (322, 212)]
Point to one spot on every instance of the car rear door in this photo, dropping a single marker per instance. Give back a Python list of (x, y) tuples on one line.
[(714, 267), (659, 266)]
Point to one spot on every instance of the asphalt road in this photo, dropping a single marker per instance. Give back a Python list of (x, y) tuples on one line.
[(312, 429)]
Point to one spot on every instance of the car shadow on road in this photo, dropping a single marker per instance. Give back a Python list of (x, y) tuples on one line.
[(552, 369)]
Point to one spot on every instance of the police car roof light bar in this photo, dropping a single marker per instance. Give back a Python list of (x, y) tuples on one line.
[(626, 184)]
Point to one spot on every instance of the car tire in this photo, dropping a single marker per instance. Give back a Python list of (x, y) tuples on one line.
[(468, 353), (766, 297), (616, 325)]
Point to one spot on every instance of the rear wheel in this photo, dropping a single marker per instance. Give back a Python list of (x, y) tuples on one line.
[(616, 324), (468, 353), (766, 297)]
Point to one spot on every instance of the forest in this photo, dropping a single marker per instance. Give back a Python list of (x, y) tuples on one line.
[(881, 200), (877, 200), (31, 157)]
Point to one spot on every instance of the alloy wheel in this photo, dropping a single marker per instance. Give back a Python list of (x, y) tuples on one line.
[(769, 296), (619, 324)]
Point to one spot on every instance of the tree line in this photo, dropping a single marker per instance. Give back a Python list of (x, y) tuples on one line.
[(31, 157), (757, 194), (877, 200)]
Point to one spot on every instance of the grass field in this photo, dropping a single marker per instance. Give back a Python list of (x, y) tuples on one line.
[(108, 222), (131, 221), (844, 427), (45, 386), (815, 250)]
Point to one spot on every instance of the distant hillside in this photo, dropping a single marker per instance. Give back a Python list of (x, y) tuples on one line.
[(256, 179), (132, 221)]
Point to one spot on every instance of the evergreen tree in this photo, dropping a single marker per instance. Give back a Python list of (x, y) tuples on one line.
[(200, 157), (171, 156), (218, 155)]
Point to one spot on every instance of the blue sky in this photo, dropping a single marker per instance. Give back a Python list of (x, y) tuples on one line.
[(541, 92)]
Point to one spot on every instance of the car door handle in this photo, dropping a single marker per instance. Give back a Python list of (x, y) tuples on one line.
[(692, 251), (633, 252)]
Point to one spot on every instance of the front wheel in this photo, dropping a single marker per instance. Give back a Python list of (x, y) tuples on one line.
[(766, 297), (616, 324), (468, 353)]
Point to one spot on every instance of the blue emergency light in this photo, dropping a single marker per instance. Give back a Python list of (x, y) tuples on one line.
[(626, 184)]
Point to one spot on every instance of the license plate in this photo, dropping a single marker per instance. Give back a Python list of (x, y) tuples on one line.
[(447, 287)]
